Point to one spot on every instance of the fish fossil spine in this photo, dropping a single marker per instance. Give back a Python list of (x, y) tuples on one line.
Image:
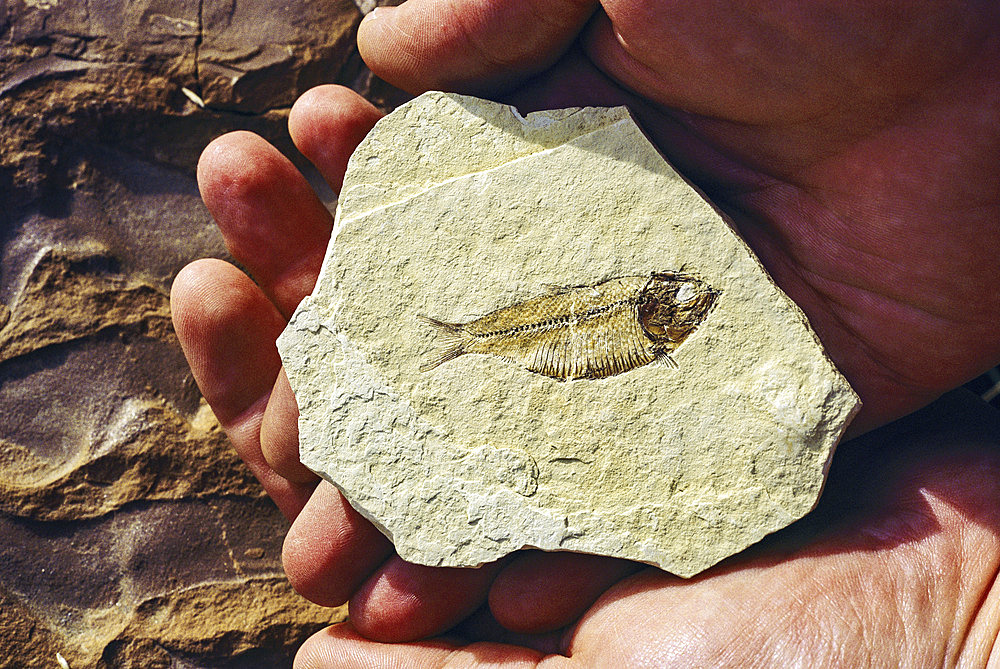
[(586, 332)]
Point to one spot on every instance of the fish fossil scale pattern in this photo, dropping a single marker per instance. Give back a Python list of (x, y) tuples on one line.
[(586, 332)]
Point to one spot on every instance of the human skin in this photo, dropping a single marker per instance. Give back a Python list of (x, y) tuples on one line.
[(856, 147)]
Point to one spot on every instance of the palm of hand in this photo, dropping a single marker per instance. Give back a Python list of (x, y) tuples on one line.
[(840, 183)]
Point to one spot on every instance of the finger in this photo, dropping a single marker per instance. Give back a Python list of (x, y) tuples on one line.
[(343, 647), (405, 601), (331, 549), (327, 123), (476, 46), (482, 625), (272, 221), (279, 433), (539, 592), (227, 329)]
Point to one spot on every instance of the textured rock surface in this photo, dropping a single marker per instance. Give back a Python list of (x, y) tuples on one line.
[(132, 535), (153, 585), (455, 207)]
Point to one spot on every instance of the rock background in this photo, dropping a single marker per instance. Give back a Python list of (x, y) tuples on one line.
[(130, 533)]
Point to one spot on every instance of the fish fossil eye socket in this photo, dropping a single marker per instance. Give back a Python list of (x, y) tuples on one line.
[(686, 292)]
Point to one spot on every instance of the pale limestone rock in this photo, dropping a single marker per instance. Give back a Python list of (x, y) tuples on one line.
[(454, 207)]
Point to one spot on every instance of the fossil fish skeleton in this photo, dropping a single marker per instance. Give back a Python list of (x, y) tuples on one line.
[(587, 332)]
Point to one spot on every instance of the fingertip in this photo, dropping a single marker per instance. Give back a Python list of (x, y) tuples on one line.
[(331, 549), (187, 295), (405, 601), (226, 327), (326, 124), (192, 277), (236, 172), (539, 592), (186, 288), (196, 291), (272, 221), (376, 40), (323, 649), (343, 647), (230, 161), (473, 46), (205, 297)]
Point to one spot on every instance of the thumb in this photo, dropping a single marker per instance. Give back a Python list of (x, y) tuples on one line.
[(472, 46)]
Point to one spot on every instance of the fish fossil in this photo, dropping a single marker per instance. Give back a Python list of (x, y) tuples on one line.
[(587, 332)]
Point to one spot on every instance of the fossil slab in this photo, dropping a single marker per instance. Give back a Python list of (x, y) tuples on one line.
[(530, 331)]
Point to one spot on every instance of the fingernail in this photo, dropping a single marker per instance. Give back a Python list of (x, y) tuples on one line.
[(381, 13)]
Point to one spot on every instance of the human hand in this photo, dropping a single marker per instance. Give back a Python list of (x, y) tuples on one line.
[(331, 552)]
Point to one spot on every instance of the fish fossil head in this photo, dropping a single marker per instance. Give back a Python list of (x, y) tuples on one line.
[(672, 305)]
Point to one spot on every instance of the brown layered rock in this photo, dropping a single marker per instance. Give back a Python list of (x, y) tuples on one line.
[(72, 458), (133, 535), (153, 585), (123, 74)]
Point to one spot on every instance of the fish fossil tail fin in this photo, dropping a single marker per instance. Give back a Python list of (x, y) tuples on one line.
[(455, 339)]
